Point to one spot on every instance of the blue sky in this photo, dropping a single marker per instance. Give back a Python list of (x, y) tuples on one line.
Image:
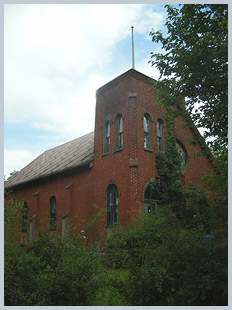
[(55, 58)]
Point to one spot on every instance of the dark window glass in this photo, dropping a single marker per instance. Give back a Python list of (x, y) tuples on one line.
[(32, 233), (112, 205), (119, 131), (53, 213), (183, 155), (106, 138), (147, 131), (160, 134), (24, 217), (150, 202), (152, 197)]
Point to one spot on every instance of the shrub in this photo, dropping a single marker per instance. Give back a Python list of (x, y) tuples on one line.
[(168, 264)]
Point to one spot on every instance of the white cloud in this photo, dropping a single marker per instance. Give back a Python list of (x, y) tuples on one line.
[(16, 159), (151, 20)]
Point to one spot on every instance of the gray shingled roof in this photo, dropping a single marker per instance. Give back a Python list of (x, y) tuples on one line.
[(73, 154)]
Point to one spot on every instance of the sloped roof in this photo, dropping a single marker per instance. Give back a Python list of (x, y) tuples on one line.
[(76, 153)]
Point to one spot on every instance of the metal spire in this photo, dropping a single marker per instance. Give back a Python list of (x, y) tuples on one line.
[(133, 60)]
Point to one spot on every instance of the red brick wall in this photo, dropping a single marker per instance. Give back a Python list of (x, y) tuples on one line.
[(130, 169)]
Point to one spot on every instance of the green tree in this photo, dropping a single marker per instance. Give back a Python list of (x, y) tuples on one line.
[(194, 64), (217, 180), (11, 174)]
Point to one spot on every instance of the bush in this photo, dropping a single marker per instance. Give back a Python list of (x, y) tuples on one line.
[(168, 263), (113, 283), (49, 272), (159, 260)]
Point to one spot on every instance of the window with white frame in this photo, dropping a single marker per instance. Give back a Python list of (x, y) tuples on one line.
[(106, 137), (160, 135), (119, 132), (147, 131)]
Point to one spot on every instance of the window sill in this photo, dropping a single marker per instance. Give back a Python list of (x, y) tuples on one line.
[(111, 225), (162, 151), (104, 154), (148, 150), (118, 150), (52, 229)]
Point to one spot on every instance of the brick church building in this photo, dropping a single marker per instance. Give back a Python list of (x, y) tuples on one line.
[(111, 167)]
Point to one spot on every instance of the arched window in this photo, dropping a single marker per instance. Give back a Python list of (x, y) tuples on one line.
[(119, 132), (53, 213), (183, 155), (112, 205), (160, 134), (106, 137), (154, 195), (150, 202), (32, 233), (24, 217), (147, 131)]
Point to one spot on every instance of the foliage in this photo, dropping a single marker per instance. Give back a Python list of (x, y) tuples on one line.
[(217, 180), (194, 64), (158, 260), (168, 165), (49, 272), (168, 266), (88, 234), (12, 219), (113, 283), (12, 174), (198, 214), (20, 269), (191, 204)]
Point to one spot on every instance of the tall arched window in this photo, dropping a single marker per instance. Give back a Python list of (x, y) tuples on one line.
[(24, 217), (147, 131), (150, 202), (106, 137), (53, 213), (160, 134), (112, 205), (183, 155), (119, 132)]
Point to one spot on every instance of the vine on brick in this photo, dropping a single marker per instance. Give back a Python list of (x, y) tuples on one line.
[(190, 204)]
